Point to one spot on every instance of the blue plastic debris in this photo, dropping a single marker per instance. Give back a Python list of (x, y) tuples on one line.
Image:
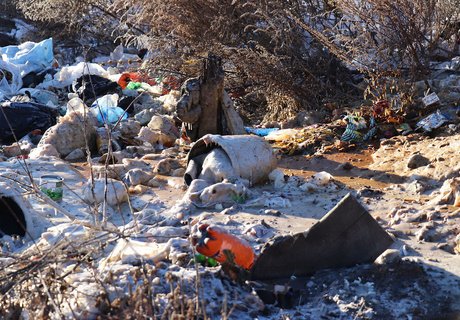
[(261, 132), (433, 121)]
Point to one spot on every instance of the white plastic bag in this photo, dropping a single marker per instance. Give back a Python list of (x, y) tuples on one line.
[(29, 56), (10, 79), (67, 75)]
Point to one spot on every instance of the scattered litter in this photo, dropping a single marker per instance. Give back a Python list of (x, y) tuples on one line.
[(216, 243), (433, 121)]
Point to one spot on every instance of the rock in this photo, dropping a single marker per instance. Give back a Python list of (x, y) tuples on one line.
[(450, 192), (139, 189), (116, 192), (416, 187), (129, 128), (347, 166), (165, 125), (223, 193), (13, 150), (153, 156), (157, 182), (389, 256), (139, 150), (72, 132), (416, 161), (44, 150), (368, 192), (138, 176), (116, 157), (114, 171), (322, 178), (308, 187), (272, 212), (144, 116), (277, 178), (155, 138), (147, 102), (426, 233), (77, 154), (165, 166), (178, 172), (170, 152), (447, 247)]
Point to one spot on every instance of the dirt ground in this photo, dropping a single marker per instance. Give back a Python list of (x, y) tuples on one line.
[(423, 282)]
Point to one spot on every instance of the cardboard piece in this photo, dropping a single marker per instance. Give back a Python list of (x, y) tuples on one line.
[(346, 236)]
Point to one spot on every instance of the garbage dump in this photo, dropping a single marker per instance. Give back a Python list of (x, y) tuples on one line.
[(127, 188)]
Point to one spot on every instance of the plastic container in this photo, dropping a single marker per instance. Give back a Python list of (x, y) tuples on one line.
[(51, 185), (216, 243)]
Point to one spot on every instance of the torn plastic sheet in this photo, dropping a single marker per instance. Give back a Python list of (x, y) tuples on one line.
[(10, 79), (29, 56)]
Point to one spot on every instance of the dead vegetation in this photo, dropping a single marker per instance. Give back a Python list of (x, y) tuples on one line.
[(293, 52)]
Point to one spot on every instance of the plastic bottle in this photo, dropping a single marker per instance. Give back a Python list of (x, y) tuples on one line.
[(216, 243)]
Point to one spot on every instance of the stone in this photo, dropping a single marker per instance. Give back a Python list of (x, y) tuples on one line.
[(74, 131), (147, 102), (165, 166), (129, 128), (144, 116), (450, 192), (347, 166), (153, 156), (155, 138), (13, 150), (178, 172), (77, 154), (426, 233), (116, 157), (416, 161), (139, 150), (165, 125), (113, 171), (116, 192), (157, 182), (389, 256), (169, 101), (44, 150), (138, 176)]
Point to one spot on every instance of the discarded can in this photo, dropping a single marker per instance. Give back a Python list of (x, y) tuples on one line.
[(51, 185), (218, 244)]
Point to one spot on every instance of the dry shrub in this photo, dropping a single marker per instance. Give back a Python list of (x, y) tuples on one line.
[(264, 49), (390, 35), (293, 51)]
